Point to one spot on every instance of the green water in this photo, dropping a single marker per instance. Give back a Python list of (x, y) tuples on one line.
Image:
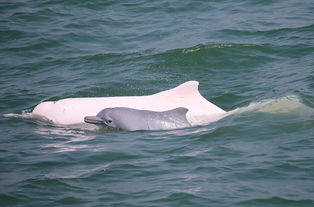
[(254, 57)]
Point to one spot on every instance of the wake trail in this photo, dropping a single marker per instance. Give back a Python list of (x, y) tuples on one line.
[(290, 104)]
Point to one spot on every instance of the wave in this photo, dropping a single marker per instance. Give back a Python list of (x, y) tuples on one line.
[(269, 32), (131, 55), (276, 201)]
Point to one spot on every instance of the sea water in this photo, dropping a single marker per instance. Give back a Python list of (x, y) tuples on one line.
[(254, 59)]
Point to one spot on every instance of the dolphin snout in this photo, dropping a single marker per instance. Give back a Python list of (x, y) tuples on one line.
[(93, 120)]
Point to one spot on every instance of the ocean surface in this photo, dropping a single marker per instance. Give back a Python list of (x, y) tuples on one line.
[(255, 57)]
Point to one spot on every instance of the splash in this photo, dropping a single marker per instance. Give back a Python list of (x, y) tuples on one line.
[(291, 104)]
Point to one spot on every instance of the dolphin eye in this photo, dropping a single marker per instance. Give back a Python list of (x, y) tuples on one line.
[(109, 121)]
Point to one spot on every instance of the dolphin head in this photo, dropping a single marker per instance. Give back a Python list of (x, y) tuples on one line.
[(104, 117)]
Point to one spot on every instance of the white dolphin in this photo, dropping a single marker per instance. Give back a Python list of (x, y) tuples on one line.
[(71, 111)]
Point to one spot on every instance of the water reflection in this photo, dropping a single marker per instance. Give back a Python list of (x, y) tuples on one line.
[(66, 139), (82, 171), (182, 132)]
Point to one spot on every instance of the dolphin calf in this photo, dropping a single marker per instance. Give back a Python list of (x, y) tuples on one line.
[(133, 119), (72, 111)]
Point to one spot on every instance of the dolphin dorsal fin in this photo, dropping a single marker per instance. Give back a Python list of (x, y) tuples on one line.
[(177, 116), (180, 110), (186, 89)]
